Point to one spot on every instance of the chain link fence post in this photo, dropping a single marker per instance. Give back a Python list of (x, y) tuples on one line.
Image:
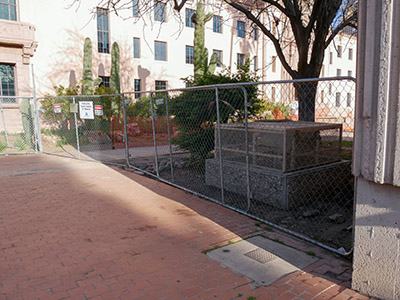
[(169, 138), (36, 114), (246, 124), (76, 129), (221, 172), (122, 97), (153, 123)]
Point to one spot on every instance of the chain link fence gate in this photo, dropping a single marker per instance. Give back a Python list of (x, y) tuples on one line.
[(242, 146), (18, 130)]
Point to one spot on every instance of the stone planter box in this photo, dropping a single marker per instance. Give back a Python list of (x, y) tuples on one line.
[(282, 190)]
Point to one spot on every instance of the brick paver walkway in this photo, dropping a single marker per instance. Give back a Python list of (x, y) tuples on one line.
[(77, 230)]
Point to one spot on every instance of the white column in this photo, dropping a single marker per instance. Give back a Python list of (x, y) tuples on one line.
[(377, 151)]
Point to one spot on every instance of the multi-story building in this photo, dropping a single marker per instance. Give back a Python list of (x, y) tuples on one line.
[(156, 46), (17, 46)]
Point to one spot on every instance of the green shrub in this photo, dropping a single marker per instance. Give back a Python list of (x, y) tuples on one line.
[(3, 145), (142, 108), (194, 111)]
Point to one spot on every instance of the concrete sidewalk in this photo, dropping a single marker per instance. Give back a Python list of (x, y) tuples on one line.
[(79, 230)]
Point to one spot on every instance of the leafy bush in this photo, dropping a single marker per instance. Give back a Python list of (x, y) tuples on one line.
[(142, 107), (64, 119), (195, 113)]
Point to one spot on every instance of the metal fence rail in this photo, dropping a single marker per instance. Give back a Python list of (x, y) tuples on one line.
[(240, 145)]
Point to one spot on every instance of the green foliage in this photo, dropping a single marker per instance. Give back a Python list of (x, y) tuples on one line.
[(59, 119), (201, 66), (140, 108), (115, 78), (106, 102), (268, 228), (3, 145), (88, 84), (115, 75), (310, 253), (195, 112)]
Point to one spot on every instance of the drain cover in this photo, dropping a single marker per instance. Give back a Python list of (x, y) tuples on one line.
[(261, 255)]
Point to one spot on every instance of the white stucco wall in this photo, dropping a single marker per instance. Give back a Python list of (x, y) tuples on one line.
[(376, 152), (377, 231)]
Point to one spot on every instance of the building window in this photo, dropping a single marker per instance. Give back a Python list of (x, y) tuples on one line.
[(348, 99), (339, 51), (240, 29), (240, 59), (189, 55), (273, 64), (8, 10), (7, 77), (160, 51), (135, 8), (330, 58), (103, 35), (322, 96), (136, 48), (350, 54), (137, 88), (159, 11), (337, 99), (255, 32), (188, 17), (217, 24), (330, 89), (255, 63), (161, 85), (219, 57), (350, 73), (105, 81), (338, 72)]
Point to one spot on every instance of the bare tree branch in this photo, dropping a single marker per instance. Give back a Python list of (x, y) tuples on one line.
[(351, 21), (178, 6), (268, 33)]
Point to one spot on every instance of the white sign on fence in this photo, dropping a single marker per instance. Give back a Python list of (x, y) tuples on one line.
[(98, 110), (159, 101), (86, 110)]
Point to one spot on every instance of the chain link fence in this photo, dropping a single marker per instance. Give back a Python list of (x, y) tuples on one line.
[(243, 146), (18, 131), (267, 150), (84, 127)]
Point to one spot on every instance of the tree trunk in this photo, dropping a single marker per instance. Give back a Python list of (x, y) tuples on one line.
[(306, 92)]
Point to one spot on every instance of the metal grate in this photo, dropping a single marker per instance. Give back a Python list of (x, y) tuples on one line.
[(261, 255)]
